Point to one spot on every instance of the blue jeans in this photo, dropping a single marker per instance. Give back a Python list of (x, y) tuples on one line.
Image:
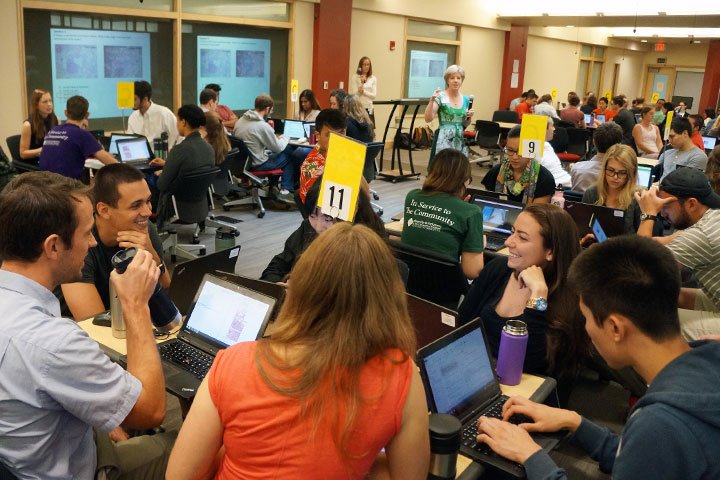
[(286, 163)]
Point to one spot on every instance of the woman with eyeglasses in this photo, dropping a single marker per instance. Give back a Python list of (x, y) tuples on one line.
[(617, 186), (438, 217), (521, 179), (40, 121)]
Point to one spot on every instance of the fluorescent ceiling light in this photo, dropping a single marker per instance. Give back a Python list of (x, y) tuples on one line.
[(664, 32), (643, 41)]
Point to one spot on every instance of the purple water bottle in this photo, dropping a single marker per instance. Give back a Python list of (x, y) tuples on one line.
[(511, 356)]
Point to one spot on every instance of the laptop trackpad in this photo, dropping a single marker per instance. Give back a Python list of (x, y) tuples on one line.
[(180, 382)]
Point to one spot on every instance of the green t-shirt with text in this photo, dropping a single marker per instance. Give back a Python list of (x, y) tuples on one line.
[(442, 223)]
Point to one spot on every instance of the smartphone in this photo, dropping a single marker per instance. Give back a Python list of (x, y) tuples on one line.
[(588, 119), (598, 231)]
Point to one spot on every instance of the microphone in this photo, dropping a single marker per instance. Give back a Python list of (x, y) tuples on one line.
[(470, 102)]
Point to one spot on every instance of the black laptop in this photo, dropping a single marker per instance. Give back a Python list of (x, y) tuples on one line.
[(222, 314), (135, 151), (498, 218), (270, 289), (114, 137), (186, 276), (612, 219), (460, 380), (431, 321)]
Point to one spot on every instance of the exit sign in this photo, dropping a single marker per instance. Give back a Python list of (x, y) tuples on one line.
[(662, 60), (660, 47)]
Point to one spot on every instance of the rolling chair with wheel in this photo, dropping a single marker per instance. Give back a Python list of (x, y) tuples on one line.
[(13, 143)]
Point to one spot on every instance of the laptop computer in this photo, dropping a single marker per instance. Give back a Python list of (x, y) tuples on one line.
[(186, 276), (309, 127), (588, 119), (612, 219), (644, 176), (638, 117), (114, 137), (431, 320), (498, 219), (294, 129), (266, 288), (709, 143), (135, 151), (222, 314), (459, 380), (600, 118)]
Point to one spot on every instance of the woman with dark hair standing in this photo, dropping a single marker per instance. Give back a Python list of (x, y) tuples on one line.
[(530, 284), (38, 124), (365, 86), (309, 106), (333, 386), (438, 218)]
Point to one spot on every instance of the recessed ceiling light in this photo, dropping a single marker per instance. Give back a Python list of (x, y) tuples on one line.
[(643, 41), (696, 41), (662, 14)]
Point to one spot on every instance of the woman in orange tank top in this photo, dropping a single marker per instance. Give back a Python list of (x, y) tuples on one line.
[(332, 387)]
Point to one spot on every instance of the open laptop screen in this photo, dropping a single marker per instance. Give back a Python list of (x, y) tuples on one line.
[(294, 129), (134, 149), (114, 137), (458, 371), (498, 217), (227, 315), (644, 176), (709, 142)]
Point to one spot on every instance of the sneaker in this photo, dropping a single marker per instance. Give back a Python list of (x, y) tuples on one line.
[(285, 196)]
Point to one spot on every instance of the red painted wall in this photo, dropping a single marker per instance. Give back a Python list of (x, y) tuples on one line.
[(331, 47), (515, 49), (711, 80)]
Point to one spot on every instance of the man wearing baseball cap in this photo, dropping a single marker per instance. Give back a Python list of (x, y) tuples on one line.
[(686, 199)]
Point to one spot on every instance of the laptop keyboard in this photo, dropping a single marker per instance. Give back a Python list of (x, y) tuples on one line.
[(188, 357), (470, 430), (495, 243)]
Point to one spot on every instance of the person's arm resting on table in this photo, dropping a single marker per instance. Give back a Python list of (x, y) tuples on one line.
[(105, 157)]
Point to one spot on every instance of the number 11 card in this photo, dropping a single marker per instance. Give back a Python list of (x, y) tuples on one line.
[(341, 179)]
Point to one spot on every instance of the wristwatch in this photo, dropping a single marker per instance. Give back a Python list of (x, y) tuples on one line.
[(647, 216), (537, 303)]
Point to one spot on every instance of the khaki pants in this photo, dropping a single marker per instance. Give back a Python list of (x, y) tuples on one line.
[(703, 320), (142, 458)]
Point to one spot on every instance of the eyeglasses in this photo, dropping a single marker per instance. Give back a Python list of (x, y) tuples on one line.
[(620, 174), (510, 151)]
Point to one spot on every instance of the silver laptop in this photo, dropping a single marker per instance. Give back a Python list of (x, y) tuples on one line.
[(135, 151)]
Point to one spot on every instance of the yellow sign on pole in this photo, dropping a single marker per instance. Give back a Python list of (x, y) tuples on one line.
[(341, 180), (532, 135), (294, 88), (126, 94), (655, 97), (668, 121), (608, 95), (553, 93)]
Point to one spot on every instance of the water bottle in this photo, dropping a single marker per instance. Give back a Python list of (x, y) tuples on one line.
[(511, 356), (444, 446), (117, 322), (558, 198), (164, 314), (225, 238), (165, 147)]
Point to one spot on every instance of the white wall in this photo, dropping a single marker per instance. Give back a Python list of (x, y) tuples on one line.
[(10, 96), (631, 74), (302, 50), (549, 64)]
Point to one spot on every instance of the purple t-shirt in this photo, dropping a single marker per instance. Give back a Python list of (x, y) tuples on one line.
[(65, 149)]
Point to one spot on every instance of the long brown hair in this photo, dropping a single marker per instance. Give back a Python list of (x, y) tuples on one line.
[(37, 122), (340, 311), (359, 69), (628, 159), (567, 341), (216, 137), (448, 173)]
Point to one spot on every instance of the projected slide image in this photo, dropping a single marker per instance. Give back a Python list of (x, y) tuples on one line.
[(436, 68), (121, 62), (215, 63), (76, 61), (419, 67), (249, 64), (426, 72)]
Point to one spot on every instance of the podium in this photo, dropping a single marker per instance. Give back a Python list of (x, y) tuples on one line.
[(394, 174)]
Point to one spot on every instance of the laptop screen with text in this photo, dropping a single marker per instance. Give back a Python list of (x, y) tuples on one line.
[(134, 149)]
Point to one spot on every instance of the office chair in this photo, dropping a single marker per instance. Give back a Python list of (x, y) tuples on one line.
[(508, 116), (433, 276), (560, 140), (240, 167), (578, 143), (191, 204), (572, 196), (370, 170), (487, 137), (224, 185), (13, 143)]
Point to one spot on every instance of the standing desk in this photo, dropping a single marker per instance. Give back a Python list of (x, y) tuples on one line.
[(393, 175)]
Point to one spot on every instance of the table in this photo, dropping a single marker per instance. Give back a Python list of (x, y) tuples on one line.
[(113, 347), (392, 174), (651, 162)]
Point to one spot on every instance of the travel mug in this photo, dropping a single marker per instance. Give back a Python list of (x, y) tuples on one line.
[(117, 322), (511, 356), (444, 446)]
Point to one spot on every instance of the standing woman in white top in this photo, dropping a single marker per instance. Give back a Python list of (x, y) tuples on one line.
[(647, 135), (366, 85)]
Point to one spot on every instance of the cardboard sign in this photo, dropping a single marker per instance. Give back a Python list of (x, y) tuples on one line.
[(532, 135), (294, 88), (553, 93), (608, 95), (126, 94), (666, 134), (655, 97), (341, 180)]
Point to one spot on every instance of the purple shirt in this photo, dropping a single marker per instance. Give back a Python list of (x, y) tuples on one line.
[(65, 149)]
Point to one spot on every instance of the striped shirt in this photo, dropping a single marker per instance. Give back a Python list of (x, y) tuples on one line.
[(698, 248)]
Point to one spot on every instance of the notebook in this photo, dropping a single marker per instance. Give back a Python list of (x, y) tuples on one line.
[(222, 314), (266, 288), (644, 176), (459, 380), (498, 218), (135, 151), (431, 321), (114, 137), (709, 143), (186, 276), (294, 129), (612, 219)]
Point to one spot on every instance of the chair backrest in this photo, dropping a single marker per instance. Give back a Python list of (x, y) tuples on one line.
[(191, 200), (223, 181), (572, 195), (373, 149), (578, 141), (560, 140), (564, 124), (487, 134), (509, 116), (433, 276), (13, 143)]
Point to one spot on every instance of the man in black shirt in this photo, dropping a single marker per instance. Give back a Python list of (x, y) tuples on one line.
[(122, 220), (625, 119)]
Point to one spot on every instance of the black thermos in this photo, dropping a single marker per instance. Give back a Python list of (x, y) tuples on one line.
[(444, 446)]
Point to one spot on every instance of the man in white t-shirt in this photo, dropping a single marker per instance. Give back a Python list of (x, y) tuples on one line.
[(686, 199), (551, 161), (150, 119)]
